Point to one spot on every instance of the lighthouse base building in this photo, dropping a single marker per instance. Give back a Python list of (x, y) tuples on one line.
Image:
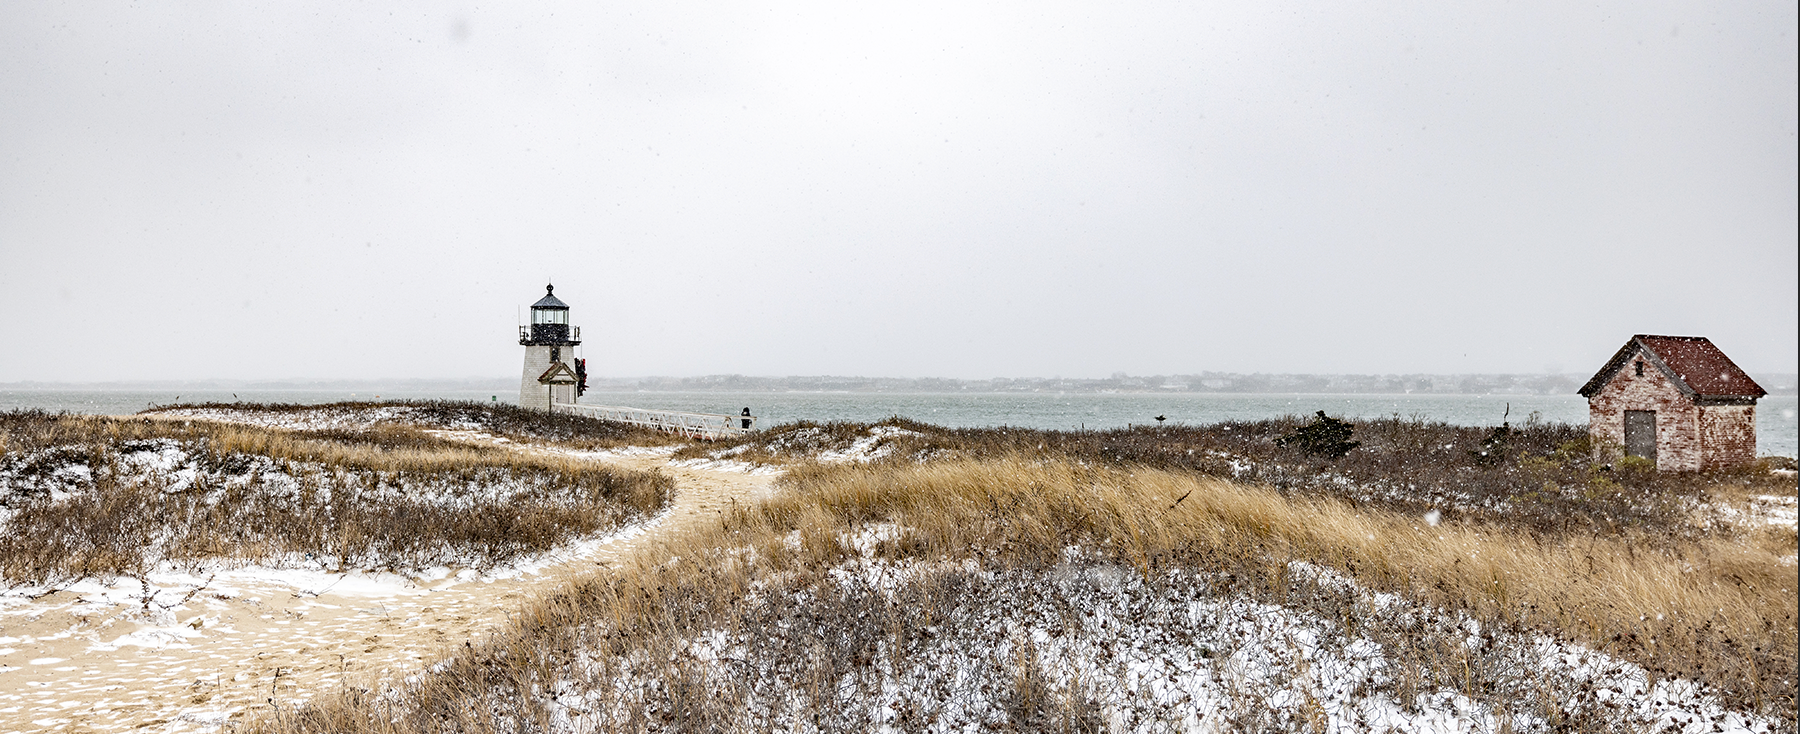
[(552, 375)]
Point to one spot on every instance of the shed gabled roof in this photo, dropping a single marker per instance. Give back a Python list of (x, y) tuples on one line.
[(1697, 367)]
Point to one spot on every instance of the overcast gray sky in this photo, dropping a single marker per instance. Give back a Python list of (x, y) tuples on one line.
[(374, 190)]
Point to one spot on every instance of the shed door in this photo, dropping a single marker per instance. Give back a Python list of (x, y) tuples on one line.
[(1640, 433)]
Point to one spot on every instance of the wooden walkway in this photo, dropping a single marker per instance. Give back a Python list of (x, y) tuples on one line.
[(704, 426)]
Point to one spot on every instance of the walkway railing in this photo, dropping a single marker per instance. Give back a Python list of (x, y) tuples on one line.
[(706, 426)]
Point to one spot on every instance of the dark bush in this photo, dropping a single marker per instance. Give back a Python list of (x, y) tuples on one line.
[(1324, 438)]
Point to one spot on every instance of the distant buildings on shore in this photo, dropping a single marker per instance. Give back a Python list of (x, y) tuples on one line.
[(1205, 382)]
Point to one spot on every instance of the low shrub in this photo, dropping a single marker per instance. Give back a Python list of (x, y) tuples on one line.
[(1324, 438)]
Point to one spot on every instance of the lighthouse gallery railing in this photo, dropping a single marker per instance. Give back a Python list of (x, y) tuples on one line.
[(706, 426)]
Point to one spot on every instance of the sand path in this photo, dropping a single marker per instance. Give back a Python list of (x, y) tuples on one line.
[(90, 660)]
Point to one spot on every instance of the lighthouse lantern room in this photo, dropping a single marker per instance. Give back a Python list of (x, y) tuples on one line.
[(552, 373)]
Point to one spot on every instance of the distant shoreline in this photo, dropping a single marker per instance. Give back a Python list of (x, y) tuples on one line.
[(1204, 383)]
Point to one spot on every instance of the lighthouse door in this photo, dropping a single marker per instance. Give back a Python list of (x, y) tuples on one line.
[(1640, 433)]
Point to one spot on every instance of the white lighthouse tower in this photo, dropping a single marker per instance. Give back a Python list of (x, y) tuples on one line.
[(552, 374)]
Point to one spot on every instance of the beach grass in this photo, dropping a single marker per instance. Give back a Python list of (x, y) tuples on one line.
[(618, 646), (99, 497)]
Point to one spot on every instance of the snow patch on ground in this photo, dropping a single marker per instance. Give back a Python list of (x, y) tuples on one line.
[(1776, 510), (724, 465), (1099, 644), (632, 452), (1668, 704), (868, 448), (317, 419), (1761, 511), (171, 586)]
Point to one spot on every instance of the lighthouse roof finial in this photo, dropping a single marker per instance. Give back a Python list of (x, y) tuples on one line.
[(550, 300)]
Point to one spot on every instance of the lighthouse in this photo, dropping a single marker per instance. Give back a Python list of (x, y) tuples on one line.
[(552, 374)]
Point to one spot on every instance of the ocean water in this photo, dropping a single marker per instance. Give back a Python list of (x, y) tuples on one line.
[(1778, 431)]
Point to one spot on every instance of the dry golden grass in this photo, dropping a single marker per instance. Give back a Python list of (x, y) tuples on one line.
[(1538, 478), (391, 497), (509, 421), (1716, 610), (388, 447), (385, 448)]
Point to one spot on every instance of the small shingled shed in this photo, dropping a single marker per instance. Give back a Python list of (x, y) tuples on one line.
[(1675, 400)]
